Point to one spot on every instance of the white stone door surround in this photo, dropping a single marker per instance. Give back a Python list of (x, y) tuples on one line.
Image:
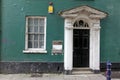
[(92, 17)]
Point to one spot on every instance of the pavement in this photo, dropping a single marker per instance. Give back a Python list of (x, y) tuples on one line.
[(52, 77)]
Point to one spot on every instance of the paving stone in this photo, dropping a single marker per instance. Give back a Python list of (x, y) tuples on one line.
[(52, 77)]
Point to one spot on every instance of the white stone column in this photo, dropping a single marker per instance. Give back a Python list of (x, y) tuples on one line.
[(96, 48), (68, 45), (91, 49)]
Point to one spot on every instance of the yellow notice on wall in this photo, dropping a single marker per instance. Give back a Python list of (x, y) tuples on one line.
[(50, 9)]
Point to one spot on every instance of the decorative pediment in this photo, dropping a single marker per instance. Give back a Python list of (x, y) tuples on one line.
[(84, 10)]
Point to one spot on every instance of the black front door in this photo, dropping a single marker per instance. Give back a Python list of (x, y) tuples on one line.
[(80, 47)]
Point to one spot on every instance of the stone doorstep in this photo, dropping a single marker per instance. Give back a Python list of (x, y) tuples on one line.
[(77, 71)]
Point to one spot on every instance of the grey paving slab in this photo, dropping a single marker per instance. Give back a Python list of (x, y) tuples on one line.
[(52, 77), (96, 77)]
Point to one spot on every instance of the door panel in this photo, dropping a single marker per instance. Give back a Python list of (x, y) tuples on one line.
[(80, 48)]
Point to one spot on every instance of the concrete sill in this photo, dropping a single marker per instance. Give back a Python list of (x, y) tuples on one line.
[(34, 51)]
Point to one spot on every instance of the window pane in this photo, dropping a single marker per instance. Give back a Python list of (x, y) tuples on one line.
[(41, 22), (30, 29), (81, 23), (30, 37), (75, 24), (35, 44), (36, 22), (41, 29), (41, 37), (30, 22), (36, 37), (30, 44), (41, 44), (35, 29)]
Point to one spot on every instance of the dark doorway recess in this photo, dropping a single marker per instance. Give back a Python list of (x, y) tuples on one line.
[(81, 47)]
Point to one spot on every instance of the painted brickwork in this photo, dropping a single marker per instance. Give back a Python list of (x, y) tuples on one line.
[(13, 28)]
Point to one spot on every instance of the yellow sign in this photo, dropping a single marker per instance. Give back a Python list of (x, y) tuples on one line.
[(50, 9)]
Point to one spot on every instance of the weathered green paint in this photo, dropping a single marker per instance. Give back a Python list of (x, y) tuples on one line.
[(13, 28), (0, 31)]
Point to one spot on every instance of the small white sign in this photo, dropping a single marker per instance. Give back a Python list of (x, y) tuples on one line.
[(57, 47)]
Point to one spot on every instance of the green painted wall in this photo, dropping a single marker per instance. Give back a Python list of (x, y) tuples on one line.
[(13, 28), (0, 30)]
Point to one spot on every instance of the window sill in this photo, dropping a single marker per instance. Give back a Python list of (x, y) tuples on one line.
[(34, 51)]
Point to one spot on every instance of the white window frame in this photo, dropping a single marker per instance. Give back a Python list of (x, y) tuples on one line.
[(35, 50)]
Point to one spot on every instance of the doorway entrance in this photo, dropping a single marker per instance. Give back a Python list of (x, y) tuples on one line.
[(81, 48), (79, 20)]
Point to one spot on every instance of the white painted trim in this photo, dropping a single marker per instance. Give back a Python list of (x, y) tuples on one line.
[(45, 32), (77, 27), (91, 49), (92, 17), (68, 46), (34, 51), (92, 12), (94, 50)]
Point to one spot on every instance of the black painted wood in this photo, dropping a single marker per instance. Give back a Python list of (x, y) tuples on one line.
[(80, 47)]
